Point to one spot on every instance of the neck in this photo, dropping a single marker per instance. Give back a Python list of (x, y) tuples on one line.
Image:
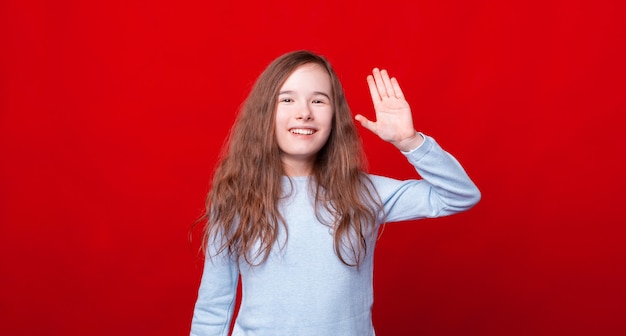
[(298, 168)]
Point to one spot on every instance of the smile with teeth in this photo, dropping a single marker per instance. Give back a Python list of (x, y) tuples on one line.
[(302, 131)]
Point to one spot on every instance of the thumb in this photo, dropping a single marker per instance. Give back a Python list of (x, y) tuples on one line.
[(370, 125)]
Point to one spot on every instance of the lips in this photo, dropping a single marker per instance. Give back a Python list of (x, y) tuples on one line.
[(302, 131)]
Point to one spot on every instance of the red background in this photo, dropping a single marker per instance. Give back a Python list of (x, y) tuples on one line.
[(113, 113)]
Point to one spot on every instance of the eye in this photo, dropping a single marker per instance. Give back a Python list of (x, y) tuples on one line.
[(318, 101), (285, 100)]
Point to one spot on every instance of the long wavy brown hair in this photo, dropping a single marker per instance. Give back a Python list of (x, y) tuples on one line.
[(242, 213)]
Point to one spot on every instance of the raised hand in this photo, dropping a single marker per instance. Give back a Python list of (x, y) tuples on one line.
[(394, 121)]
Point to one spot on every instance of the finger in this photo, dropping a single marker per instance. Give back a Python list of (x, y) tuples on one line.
[(387, 82), (380, 84), (396, 88), (370, 125), (373, 90)]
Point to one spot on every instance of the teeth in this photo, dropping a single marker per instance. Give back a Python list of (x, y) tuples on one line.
[(302, 131)]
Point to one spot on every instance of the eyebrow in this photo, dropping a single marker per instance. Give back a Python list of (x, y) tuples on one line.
[(314, 92)]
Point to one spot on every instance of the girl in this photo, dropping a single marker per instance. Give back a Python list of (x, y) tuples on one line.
[(293, 213)]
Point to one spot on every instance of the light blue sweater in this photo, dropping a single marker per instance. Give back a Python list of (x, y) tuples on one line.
[(304, 289)]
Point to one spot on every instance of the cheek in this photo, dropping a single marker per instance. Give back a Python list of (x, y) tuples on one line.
[(280, 117), (328, 118)]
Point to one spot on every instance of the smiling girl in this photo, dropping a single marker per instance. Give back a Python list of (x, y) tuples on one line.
[(294, 215)]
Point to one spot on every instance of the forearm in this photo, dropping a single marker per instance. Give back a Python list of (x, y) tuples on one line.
[(445, 175), (215, 305)]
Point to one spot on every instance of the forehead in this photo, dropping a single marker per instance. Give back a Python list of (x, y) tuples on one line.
[(310, 76)]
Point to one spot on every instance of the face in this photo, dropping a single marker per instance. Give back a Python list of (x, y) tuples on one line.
[(304, 115)]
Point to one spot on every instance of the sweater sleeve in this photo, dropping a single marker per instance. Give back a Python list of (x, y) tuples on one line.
[(445, 187), (216, 296)]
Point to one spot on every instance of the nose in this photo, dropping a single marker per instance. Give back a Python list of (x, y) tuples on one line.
[(304, 113)]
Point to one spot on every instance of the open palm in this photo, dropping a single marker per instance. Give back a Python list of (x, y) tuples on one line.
[(394, 120)]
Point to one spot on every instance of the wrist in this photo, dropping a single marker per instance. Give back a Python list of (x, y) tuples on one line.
[(410, 143)]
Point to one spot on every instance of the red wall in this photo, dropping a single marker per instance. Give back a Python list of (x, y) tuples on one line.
[(112, 114)]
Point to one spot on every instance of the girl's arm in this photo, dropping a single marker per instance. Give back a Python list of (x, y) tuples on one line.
[(216, 297), (445, 188)]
